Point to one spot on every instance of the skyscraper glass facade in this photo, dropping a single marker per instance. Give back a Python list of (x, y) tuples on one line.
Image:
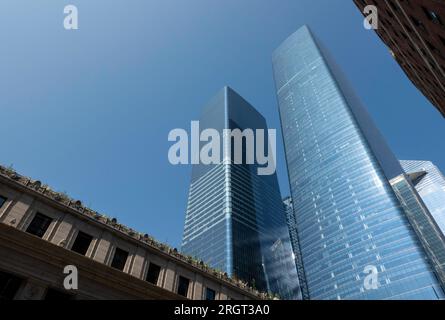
[(292, 225), (423, 223), (430, 184), (235, 219), (348, 217)]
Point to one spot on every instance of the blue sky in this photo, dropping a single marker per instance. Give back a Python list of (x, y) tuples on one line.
[(89, 111)]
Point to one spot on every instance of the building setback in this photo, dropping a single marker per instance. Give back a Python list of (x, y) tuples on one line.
[(235, 219), (42, 232), (423, 223), (414, 31), (430, 184), (348, 216)]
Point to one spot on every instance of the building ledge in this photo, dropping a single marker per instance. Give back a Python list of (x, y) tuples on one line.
[(76, 207)]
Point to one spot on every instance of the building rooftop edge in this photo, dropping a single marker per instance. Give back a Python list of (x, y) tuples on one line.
[(302, 28), (64, 200)]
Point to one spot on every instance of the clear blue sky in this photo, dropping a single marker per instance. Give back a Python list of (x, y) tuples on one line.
[(89, 111)]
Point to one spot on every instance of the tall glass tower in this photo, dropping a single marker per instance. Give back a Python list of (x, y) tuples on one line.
[(235, 219), (430, 184), (350, 224)]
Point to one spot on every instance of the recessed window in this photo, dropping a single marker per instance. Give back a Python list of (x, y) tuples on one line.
[(119, 259), (417, 23), (39, 225), (82, 243), (9, 285), (394, 7), (433, 16), (57, 295), (2, 201), (153, 273), (183, 286), (210, 294)]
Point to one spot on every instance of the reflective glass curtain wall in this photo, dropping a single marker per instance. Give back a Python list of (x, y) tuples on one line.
[(430, 184), (424, 224), (235, 219), (347, 215), (292, 225)]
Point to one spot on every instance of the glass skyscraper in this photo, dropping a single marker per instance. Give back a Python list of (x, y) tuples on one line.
[(430, 184), (348, 217), (235, 219)]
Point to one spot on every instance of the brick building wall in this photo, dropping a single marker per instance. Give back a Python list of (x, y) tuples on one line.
[(414, 30)]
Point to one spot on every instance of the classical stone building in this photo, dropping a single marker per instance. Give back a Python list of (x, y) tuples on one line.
[(42, 232), (414, 30)]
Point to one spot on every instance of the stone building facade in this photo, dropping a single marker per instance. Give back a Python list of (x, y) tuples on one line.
[(42, 232)]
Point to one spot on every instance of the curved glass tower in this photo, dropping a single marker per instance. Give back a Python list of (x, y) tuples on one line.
[(348, 218), (235, 218)]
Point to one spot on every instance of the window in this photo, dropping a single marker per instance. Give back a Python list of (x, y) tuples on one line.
[(57, 295), (153, 273), (119, 259), (433, 16), (9, 285), (210, 294), (2, 201), (183, 286), (417, 23), (394, 7), (39, 225), (82, 243)]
